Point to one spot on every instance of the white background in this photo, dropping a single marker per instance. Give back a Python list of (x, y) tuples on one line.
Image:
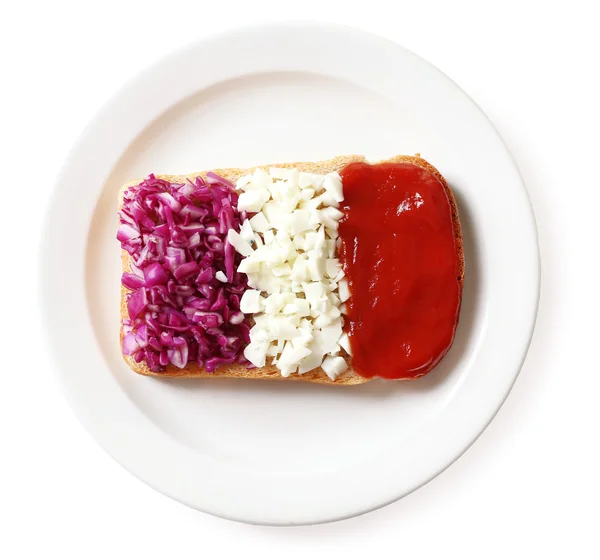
[(528, 487)]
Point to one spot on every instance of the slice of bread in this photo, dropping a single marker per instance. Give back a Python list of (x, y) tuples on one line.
[(349, 377)]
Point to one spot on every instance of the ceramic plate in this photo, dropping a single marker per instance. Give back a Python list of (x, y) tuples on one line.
[(280, 452)]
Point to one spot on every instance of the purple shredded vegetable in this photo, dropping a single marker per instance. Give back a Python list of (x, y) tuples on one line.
[(176, 235)]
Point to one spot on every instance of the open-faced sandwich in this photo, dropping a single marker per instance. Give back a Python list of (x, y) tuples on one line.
[(330, 272)]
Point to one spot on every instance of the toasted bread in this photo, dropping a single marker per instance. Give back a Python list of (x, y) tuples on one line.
[(269, 371)]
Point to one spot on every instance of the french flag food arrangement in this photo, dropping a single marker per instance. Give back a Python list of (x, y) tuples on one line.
[(357, 268)]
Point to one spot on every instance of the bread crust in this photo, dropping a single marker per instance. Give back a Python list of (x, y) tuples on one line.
[(269, 371)]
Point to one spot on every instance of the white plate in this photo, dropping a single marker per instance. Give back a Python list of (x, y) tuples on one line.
[(280, 452)]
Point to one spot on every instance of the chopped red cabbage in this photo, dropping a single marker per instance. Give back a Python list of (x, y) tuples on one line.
[(154, 275), (176, 235)]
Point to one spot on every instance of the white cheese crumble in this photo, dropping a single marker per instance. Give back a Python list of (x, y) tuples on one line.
[(296, 282)]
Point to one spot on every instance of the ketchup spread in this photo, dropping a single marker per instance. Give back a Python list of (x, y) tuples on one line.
[(400, 255)]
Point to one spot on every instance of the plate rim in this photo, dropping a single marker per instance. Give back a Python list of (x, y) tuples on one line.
[(89, 130)]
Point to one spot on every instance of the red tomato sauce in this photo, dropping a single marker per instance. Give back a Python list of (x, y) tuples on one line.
[(400, 256)]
